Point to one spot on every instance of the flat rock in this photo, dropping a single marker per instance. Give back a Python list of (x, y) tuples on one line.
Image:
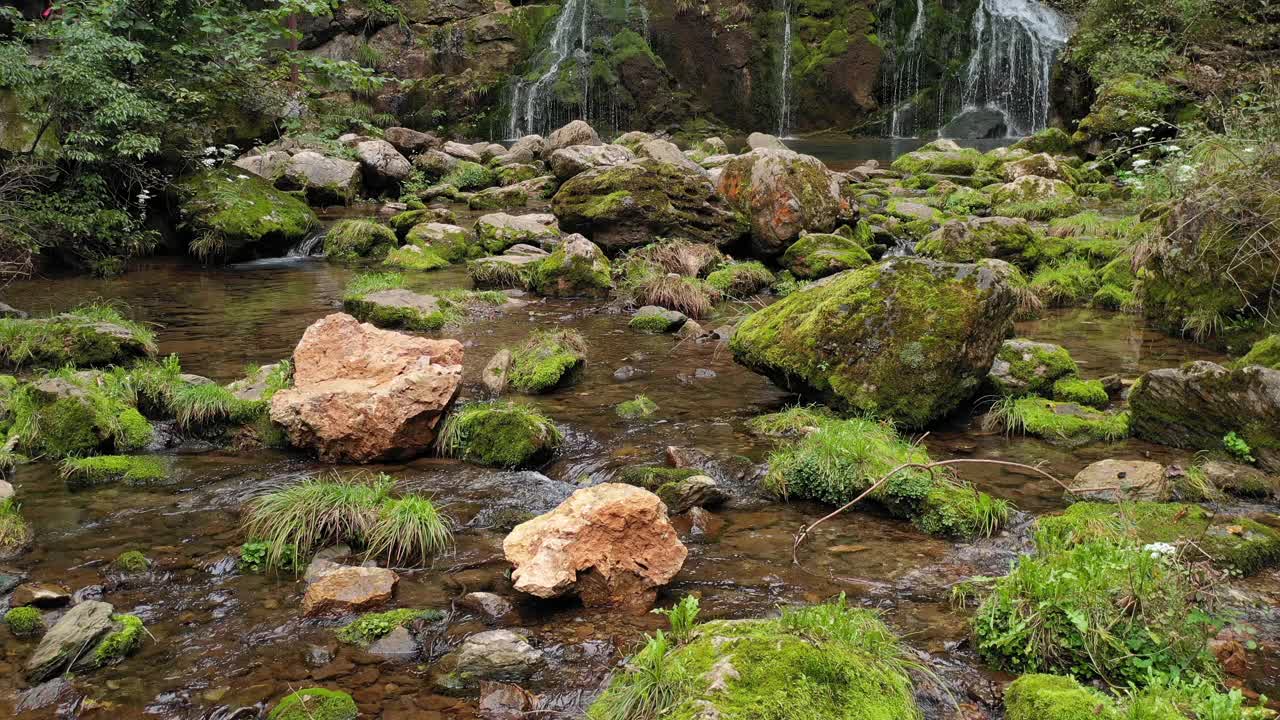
[(496, 655), (348, 590), (75, 632), (1120, 481), (41, 595)]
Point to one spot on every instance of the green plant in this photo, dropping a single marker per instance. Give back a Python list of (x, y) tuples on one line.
[(546, 359), (14, 530), (408, 529), (470, 176), (688, 295), (131, 561), (371, 626), (315, 704), (133, 469), (207, 404), (24, 621), (1237, 447), (790, 422), (499, 434), (120, 642), (640, 407), (682, 616), (352, 240)]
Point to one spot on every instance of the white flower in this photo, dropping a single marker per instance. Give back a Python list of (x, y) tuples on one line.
[(1158, 550), (1140, 163), (1173, 149), (210, 150), (209, 162), (243, 177), (1141, 130)]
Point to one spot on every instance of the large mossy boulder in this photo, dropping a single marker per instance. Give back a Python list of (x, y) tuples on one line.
[(496, 232), (546, 360), (782, 193), (1009, 239), (908, 339), (817, 255), (627, 205), (1198, 405), (942, 158), (356, 239), (835, 662), (233, 216), (89, 336), (576, 268), (450, 242), (1265, 353)]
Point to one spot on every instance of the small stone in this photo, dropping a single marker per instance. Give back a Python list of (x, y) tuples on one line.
[(626, 372), (490, 606), (349, 589), (503, 701), (318, 655), (496, 655), (397, 645), (1120, 480), (41, 595)]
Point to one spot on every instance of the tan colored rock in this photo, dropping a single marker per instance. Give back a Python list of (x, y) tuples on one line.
[(362, 394), (611, 544), (1120, 480), (782, 193), (347, 590)]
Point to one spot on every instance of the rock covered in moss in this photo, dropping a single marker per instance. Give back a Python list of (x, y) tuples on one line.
[(639, 407), (234, 217), (909, 338), (1025, 367), (498, 231), (24, 621), (1265, 352), (546, 360), (817, 255), (1055, 697), (576, 268), (1197, 405), (1029, 188), (101, 469), (657, 320), (85, 337), (1040, 164), (1009, 239), (451, 242), (403, 222), (72, 416), (415, 257), (610, 544), (499, 198), (627, 205), (570, 161), (782, 193), (1065, 423), (837, 662), (740, 279), (315, 704), (90, 635), (1241, 480), (1083, 392), (352, 240), (502, 655), (498, 434), (397, 308), (325, 180)]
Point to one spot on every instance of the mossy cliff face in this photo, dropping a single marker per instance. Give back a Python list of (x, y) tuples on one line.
[(908, 339), (234, 216)]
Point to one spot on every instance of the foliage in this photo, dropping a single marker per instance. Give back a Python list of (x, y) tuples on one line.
[(1237, 447), (24, 621), (1062, 422), (791, 422), (371, 626), (73, 338), (14, 530), (131, 561), (468, 175), (639, 407), (408, 528), (740, 279), (120, 642), (682, 616), (133, 469), (499, 434), (353, 239)]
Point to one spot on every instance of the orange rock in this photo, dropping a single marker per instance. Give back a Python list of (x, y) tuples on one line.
[(362, 394), (349, 589), (610, 544)]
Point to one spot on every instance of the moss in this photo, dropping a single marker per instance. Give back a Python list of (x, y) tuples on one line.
[(882, 339), (1055, 206), (404, 223), (546, 360), (315, 704), (512, 174), (1066, 283), (740, 279), (1127, 101), (1054, 141), (818, 255), (967, 201), (1063, 422), (1081, 392), (352, 240), (827, 662), (131, 561), (24, 621), (67, 415), (1055, 697), (15, 531), (412, 257), (232, 215), (1239, 544), (121, 642), (133, 469), (1117, 290), (1023, 367), (933, 162), (448, 241), (1265, 352), (500, 434), (652, 477), (639, 407), (576, 268), (371, 626), (88, 336), (467, 175), (969, 241), (656, 323), (792, 422)]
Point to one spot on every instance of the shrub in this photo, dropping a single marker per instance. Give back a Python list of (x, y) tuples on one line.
[(133, 469), (371, 626), (24, 621), (546, 360), (1237, 448), (499, 434), (682, 257), (640, 407)]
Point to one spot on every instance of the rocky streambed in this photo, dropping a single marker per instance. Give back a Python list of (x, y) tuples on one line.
[(224, 641)]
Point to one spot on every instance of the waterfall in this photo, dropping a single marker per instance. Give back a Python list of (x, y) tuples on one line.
[(534, 104), (784, 80), (1015, 44), (308, 246), (906, 79)]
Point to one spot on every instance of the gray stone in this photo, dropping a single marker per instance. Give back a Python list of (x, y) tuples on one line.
[(397, 645), (758, 140), (462, 152), (76, 632), (269, 165), (691, 492), (575, 159), (410, 142), (489, 606), (496, 655), (324, 179), (577, 132), (383, 165)]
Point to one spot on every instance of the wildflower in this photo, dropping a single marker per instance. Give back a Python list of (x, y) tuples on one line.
[(1159, 550), (210, 150), (1140, 163), (1141, 130), (209, 162)]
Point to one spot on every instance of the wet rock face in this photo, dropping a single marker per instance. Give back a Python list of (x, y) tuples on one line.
[(909, 338), (348, 589), (362, 394), (1120, 481), (611, 544), (1197, 405), (782, 193)]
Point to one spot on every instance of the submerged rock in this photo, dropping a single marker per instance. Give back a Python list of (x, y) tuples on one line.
[(909, 338), (346, 590), (362, 394), (610, 544), (1197, 405), (1120, 481), (782, 193), (495, 655)]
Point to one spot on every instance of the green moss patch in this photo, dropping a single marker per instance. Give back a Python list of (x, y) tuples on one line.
[(371, 626), (546, 360), (24, 621), (352, 240), (818, 255), (1060, 422), (102, 469), (740, 279), (499, 434), (1265, 352), (88, 336), (131, 561), (121, 642), (413, 257), (68, 415), (315, 704), (234, 215), (1024, 367), (640, 407), (1082, 392)]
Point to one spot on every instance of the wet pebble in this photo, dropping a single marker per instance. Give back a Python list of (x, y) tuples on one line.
[(626, 372)]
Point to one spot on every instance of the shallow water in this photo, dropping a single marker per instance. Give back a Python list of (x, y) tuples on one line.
[(841, 152), (223, 640)]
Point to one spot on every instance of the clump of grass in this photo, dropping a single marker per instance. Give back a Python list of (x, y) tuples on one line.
[(640, 407), (359, 511), (14, 530), (467, 175), (546, 360), (791, 422), (1055, 206), (352, 240), (680, 256), (500, 274), (739, 280), (208, 404), (371, 626), (100, 469), (1064, 422), (413, 257), (72, 339), (1068, 282), (688, 295), (499, 434)]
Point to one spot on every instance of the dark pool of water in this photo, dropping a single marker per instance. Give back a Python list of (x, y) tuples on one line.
[(224, 640), (841, 152)]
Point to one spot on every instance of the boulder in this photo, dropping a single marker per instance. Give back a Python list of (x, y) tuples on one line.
[(633, 140), (496, 232), (1024, 367), (611, 544), (817, 255), (499, 198), (347, 590), (397, 646), (1040, 164), (577, 132), (627, 205), (39, 594), (1240, 479), (1120, 481), (325, 180), (362, 394), (576, 268), (976, 124), (567, 162), (503, 701), (1197, 405), (489, 606), (782, 193), (452, 242), (667, 152), (764, 141), (269, 165), (1032, 188), (461, 152), (244, 216), (1009, 239), (435, 164), (410, 142), (383, 165), (527, 149), (75, 633), (495, 655), (685, 494), (908, 338)]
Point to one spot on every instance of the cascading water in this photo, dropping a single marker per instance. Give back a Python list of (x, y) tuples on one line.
[(535, 106), (309, 245), (1015, 44), (784, 78), (906, 78)]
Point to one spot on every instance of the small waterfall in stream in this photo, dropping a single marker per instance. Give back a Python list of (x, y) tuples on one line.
[(1015, 44), (308, 246), (906, 79), (784, 79), (535, 105)]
